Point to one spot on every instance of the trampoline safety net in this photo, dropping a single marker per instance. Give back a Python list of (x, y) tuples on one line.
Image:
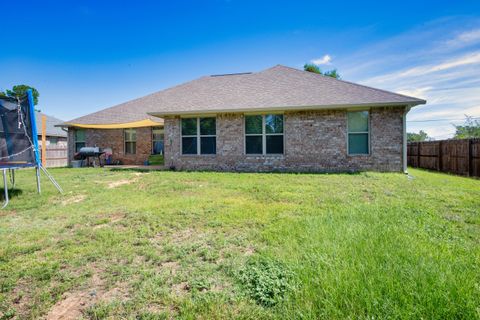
[(17, 148)]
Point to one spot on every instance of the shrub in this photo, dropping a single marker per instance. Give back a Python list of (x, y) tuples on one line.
[(267, 281)]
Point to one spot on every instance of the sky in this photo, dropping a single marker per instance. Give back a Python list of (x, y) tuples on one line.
[(83, 56)]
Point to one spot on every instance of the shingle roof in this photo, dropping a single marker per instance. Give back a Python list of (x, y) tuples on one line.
[(278, 88), (51, 122), (131, 111)]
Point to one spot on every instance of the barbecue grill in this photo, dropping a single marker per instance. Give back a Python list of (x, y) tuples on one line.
[(87, 153)]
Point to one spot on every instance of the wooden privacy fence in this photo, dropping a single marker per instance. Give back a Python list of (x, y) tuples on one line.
[(460, 157), (56, 156)]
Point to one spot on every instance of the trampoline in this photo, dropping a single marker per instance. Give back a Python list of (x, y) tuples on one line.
[(19, 141)]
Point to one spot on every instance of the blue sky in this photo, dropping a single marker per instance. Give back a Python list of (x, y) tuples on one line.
[(87, 55)]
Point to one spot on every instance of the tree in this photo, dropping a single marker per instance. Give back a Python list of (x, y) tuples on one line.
[(332, 73), (470, 129), (310, 67), (19, 91), (417, 137)]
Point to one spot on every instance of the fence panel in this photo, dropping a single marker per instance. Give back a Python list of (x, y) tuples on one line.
[(475, 159), (454, 156), (56, 156)]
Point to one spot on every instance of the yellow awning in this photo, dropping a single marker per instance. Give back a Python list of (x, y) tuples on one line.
[(126, 125)]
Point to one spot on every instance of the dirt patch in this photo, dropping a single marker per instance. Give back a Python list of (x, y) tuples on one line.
[(220, 287), (184, 234), (73, 304), (118, 183), (162, 311), (119, 292), (116, 217), (5, 213), (187, 235), (249, 251), (138, 174), (74, 199), (171, 266), (180, 289), (22, 298), (112, 219), (122, 182)]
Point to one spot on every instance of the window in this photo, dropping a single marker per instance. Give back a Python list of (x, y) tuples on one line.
[(79, 139), (199, 136), (53, 140), (157, 140), (130, 137), (264, 134), (358, 132)]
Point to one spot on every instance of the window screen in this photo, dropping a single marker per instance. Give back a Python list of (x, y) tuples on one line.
[(264, 134), (199, 135), (358, 132), (130, 141)]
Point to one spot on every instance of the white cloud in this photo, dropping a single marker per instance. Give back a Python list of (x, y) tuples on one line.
[(464, 39), (441, 66), (422, 70), (417, 92), (323, 60), (420, 114)]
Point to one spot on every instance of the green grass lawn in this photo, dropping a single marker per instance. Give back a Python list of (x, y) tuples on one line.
[(156, 160), (155, 245)]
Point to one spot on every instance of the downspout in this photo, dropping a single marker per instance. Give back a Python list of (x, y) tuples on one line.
[(404, 153)]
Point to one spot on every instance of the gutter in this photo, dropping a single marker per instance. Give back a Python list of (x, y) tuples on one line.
[(404, 153)]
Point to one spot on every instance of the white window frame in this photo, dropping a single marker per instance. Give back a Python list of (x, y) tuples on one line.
[(76, 141), (359, 132), (198, 136), (129, 141), (264, 135)]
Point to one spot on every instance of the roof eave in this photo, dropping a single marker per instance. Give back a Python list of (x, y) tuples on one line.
[(123, 125), (409, 104)]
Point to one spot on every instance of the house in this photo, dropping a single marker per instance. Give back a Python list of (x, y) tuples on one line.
[(278, 119), (54, 135)]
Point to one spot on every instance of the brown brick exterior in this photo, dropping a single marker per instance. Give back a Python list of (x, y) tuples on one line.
[(113, 138), (315, 141)]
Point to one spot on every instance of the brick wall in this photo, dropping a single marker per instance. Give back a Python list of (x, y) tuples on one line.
[(314, 141), (113, 138)]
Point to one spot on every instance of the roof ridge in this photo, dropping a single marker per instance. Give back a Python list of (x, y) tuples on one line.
[(349, 82), (49, 116), (230, 74)]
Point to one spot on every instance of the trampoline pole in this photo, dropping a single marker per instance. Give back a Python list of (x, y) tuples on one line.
[(13, 178), (52, 179), (37, 170), (5, 187)]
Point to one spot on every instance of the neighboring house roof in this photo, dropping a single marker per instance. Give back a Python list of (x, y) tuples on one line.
[(276, 88), (51, 129)]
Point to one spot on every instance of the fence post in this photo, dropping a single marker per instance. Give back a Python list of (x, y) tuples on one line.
[(44, 141), (440, 155), (470, 157), (418, 154)]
